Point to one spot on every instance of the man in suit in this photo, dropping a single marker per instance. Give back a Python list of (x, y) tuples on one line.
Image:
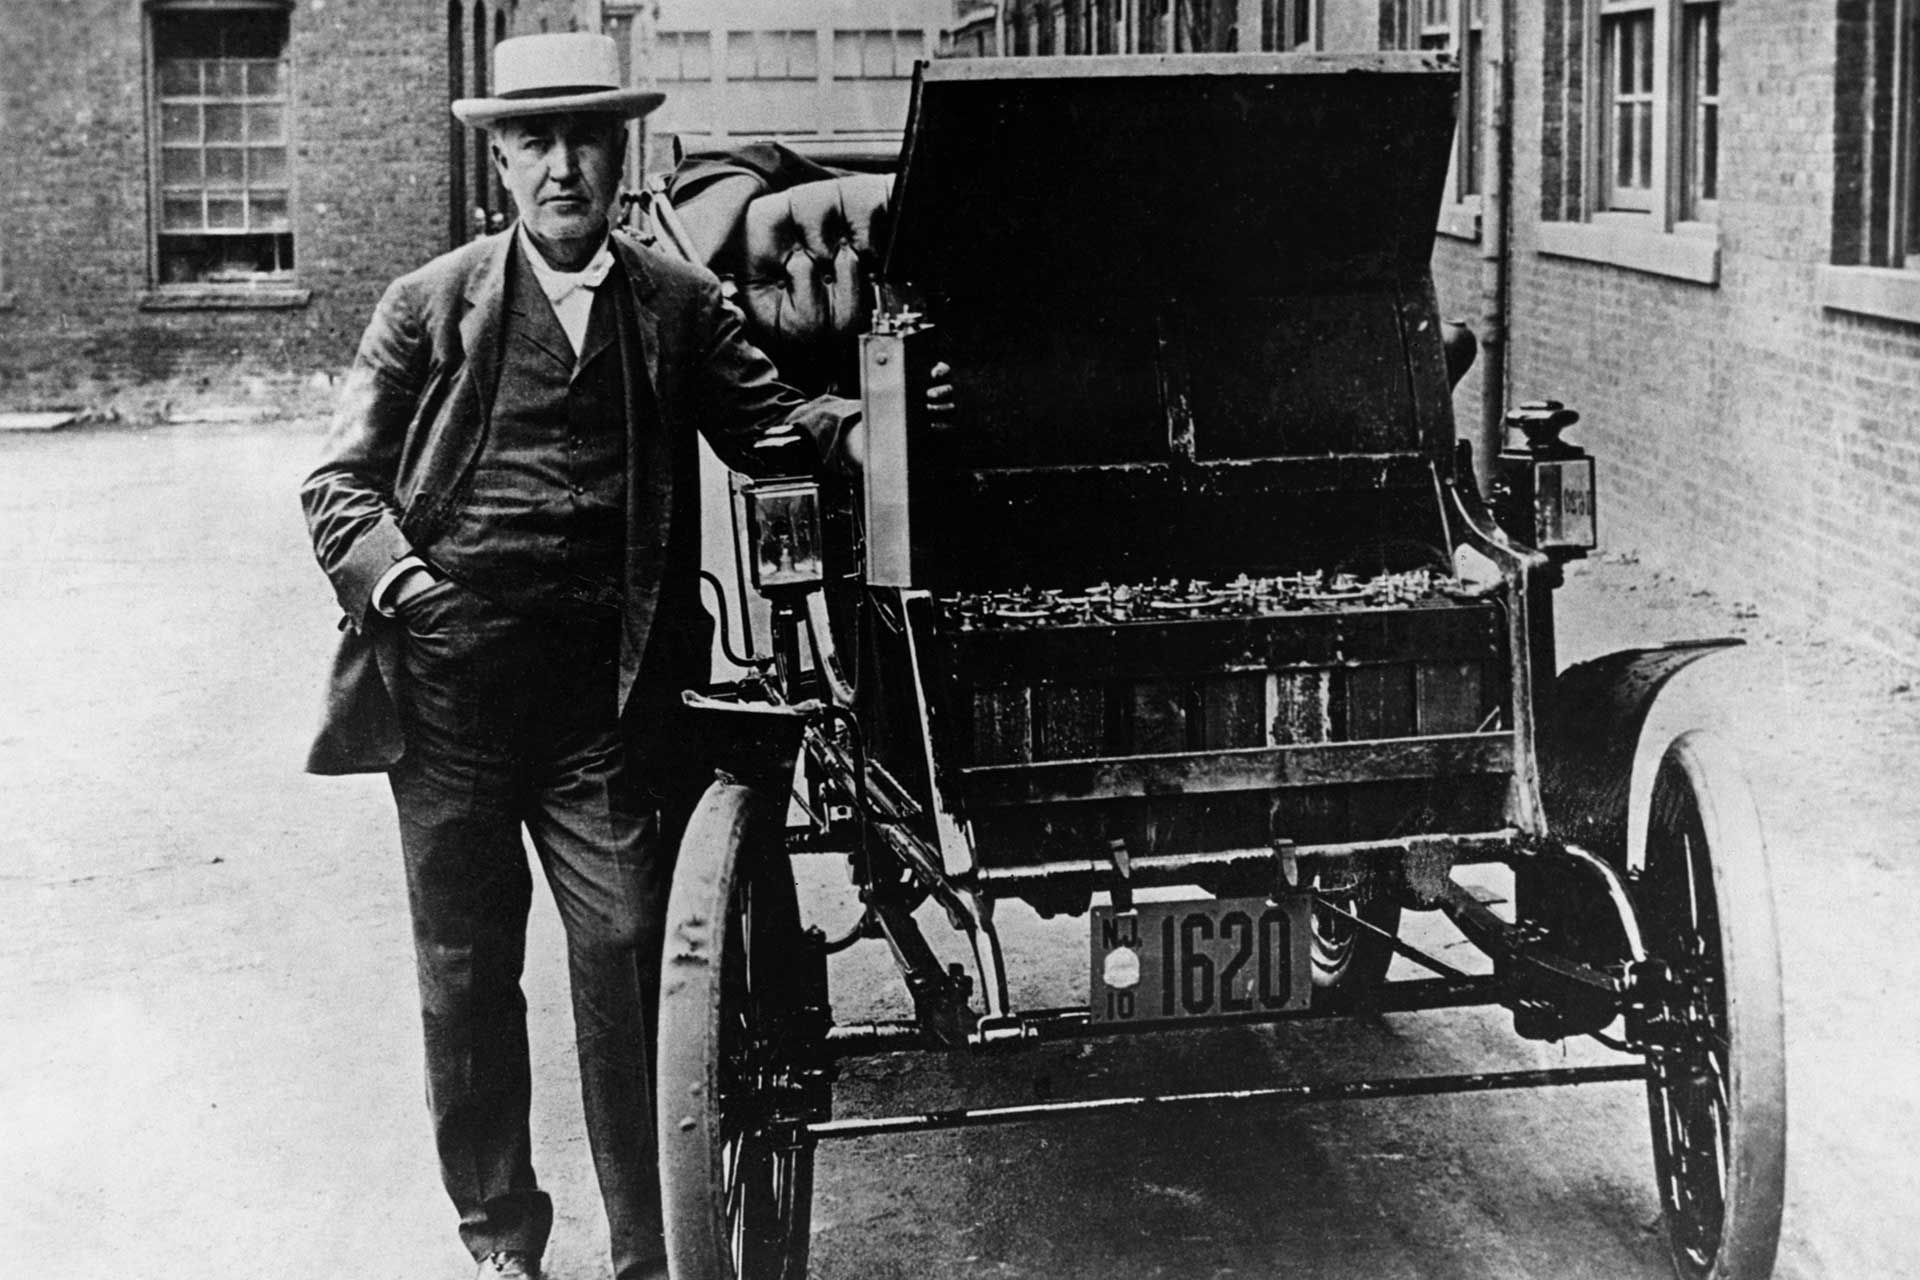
[(507, 512)]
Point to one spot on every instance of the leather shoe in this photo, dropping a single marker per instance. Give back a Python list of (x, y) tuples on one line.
[(504, 1264)]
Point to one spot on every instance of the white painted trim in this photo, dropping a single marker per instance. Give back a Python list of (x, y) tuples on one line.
[(1460, 221), (213, 297), (1691, 255), (1891, 293)]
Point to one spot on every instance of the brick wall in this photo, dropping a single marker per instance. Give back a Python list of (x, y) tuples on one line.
[(1748, 439), (369, 159)]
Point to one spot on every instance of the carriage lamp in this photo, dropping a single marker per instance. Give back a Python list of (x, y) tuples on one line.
[(1544, 487), (783, 534)]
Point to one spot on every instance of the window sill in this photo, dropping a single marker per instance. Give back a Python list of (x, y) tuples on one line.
[(1890, 293), (1460, 221), (1688, 254), (225, 298)]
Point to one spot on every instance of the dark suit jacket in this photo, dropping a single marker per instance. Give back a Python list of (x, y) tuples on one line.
[(412, 419)]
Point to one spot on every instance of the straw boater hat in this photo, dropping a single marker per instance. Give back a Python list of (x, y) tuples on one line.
[(549, 75)]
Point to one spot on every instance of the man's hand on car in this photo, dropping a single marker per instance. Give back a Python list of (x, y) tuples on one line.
[(941, 408)]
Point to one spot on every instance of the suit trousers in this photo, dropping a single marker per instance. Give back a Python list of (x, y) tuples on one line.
[(512, 723)]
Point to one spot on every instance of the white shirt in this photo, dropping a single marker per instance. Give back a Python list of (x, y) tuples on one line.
[(570, 292)]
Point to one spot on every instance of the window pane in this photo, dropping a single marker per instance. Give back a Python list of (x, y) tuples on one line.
[(846, 54), (1710, 51), (226, 79), (265, 124), (879, 57), (180, 122), (226, 167), (1710, 153), (1470, 90), (803, 55), (263, 79), (1643, 145), (226, 211), (225, 124), (180, 213), (666, 55), (269, 210), (696, 56), (741, 64), (179, 77), (266, 165), (180, 166)]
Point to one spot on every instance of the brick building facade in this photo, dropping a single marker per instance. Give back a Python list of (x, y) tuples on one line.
[(221, 185), (1713, 253), (1747, 358), (226, 186), (1714, 230)]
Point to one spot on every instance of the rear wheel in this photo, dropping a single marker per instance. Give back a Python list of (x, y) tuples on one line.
[(1349, 957), (1716, 1094), (741, 1015)]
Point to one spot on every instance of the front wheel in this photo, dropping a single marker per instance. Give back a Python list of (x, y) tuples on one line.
[(741, 1017), (1716, 1090)]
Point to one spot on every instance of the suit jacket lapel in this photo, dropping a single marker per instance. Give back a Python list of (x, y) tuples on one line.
[(649, 465), (646, 319), (480, 327)]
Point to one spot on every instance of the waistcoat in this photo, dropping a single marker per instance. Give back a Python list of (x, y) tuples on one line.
[(541, 527)]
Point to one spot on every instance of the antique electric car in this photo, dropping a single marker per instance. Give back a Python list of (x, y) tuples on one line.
[(1199, 596)]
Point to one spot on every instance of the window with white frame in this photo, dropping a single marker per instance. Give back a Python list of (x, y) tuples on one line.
[(1450, 26), (1155, 22), (773, 55), (1700, 112), (1904, 214), (682, 57), (876, 55), (1874, 262), (1286, 24), (1625, 115), (1656, 119), (1631, 135), (1469, 175), (221, 172)]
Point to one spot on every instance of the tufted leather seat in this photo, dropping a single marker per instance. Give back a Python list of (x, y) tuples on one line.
[(799, 245), (806, 275)]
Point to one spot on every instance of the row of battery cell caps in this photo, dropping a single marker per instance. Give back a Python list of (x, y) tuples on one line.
[(1194, 598)]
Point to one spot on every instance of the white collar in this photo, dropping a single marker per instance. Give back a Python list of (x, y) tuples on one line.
[(558, 284)]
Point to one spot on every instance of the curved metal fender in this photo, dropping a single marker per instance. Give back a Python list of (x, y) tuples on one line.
[(1587, 751)]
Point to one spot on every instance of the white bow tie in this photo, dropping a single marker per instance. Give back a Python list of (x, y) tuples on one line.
[(558, 285)]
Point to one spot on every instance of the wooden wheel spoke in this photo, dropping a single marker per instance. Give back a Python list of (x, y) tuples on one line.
[(1717, 1054), (737, 1194)]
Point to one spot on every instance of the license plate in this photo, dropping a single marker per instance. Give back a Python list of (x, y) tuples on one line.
[(1209, 958)]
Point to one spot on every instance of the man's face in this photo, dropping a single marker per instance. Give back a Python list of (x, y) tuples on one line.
[(563, 172)]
